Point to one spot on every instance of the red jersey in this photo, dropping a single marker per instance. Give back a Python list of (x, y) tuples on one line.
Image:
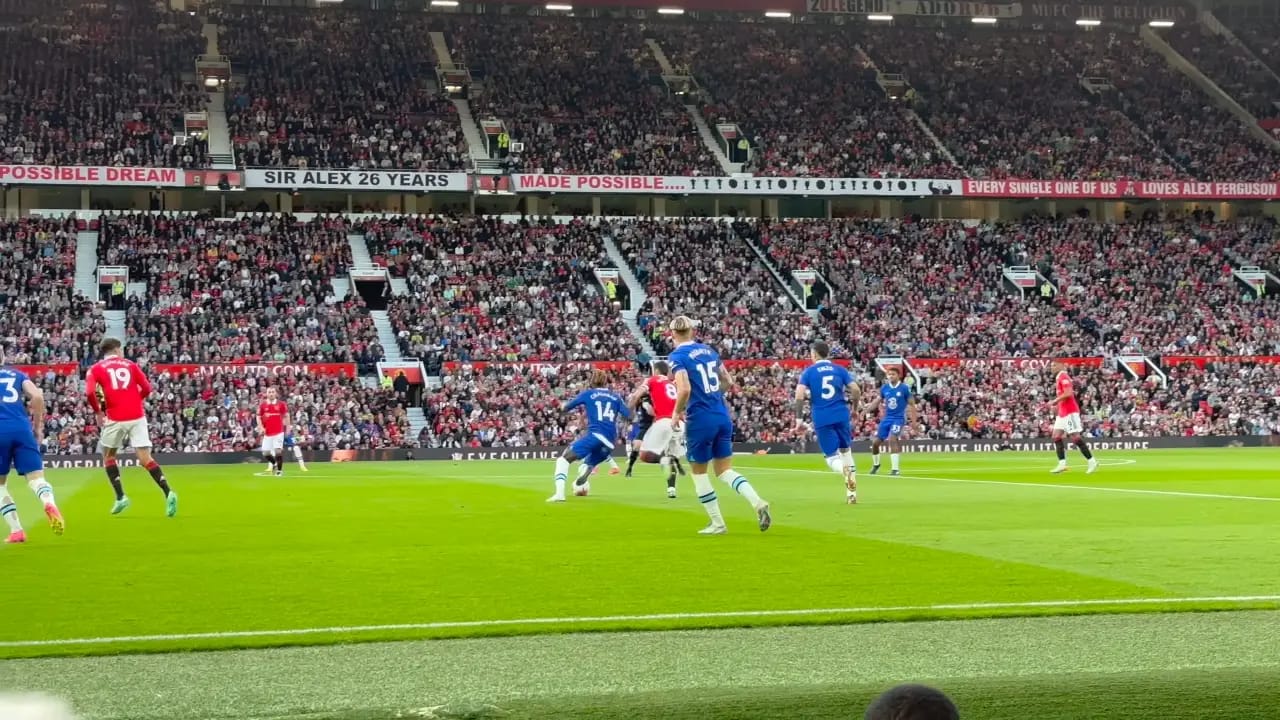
[(1068, 406), (123, 387), (272, 416), (662, 395)]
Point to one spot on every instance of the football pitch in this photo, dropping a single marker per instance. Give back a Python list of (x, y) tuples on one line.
[(452, 590)]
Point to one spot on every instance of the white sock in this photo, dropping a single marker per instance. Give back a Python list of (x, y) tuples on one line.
[(707, 496), (740, 485), (10, 513), (836, 463), (893, 460), (665, 462), (562, 474), (846, 456), (584, 471), (875, 459), (613, 462), (42, 489)]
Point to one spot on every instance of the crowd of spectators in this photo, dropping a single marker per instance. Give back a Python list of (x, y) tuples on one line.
[(1009, 103), (337, 88), (255, 289), (704, 269), (1002, 399), (807, 98), (1229, 65), (581, 96), (217, 411), (97, 84), (923, 289), (42, 318), (482, 289)]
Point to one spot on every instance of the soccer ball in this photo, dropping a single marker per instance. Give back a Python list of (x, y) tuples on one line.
[(582, 490)]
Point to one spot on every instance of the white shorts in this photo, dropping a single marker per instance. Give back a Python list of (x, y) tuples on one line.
[(273, 443), (1069, 424), (662, 439), (135, 432)]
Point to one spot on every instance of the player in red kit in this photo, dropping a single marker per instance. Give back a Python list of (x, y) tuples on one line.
[(273, 422), (1067, 425), (661, 444), (116, 388)]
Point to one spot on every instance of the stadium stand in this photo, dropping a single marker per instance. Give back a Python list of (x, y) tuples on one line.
[(97, 84), (1008, 103), (807, 98), (582, 96), (253, 289), (482, 289), (1231, 67), (337, 88), (42, 318), (704, 270)]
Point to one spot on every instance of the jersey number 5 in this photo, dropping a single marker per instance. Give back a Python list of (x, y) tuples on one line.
[(710, 378), (10, 390), (828, 387), (120, 378)]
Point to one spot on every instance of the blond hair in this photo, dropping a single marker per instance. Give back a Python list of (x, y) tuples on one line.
[(682, 326)]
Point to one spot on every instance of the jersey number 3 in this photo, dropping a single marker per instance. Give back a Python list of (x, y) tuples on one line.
[(10, 390)]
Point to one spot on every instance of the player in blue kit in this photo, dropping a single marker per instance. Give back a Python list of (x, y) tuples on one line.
[(895, 397), (701, 381), (20, 438), (824, 393), (603, 408)]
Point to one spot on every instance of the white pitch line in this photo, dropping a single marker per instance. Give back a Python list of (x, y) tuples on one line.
[(814, 612), (1054, 486)]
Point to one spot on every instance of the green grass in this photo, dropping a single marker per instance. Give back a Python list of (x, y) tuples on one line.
[(401, 551)]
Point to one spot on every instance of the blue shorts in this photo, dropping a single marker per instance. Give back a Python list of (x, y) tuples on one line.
[(20, 451), (709, 438), (591, 450), (889, 428), (637, 431), (834, 438)]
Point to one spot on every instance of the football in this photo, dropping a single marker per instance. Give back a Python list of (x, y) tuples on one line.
[(582, 490)]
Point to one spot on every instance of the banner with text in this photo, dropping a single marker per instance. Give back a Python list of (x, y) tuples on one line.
[(1121, 189), (1203, 360), (1027, 363), (91, 175), (357, 180), (36, 372), (258, 369), (677, 185), (1114, 11)]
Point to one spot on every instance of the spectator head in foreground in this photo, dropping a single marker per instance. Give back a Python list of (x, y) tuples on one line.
[(912, 702)]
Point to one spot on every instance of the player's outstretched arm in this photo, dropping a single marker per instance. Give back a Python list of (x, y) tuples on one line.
[(36, 406), (853, 394), (637, 396), (726, 378)]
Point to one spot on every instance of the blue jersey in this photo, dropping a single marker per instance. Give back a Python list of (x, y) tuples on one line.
[(13, 409), (603, 407), (18, 446), (826, 383), (702, 365), (895, 399)]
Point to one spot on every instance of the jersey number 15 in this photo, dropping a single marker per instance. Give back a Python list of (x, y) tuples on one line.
[(710, 378)]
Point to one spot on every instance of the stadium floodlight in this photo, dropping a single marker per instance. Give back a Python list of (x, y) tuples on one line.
[(444, 3), (1088, 22), (880, 18), (560, 6), (984, 21), (777, 14), (670, 11), (1161, 23)]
